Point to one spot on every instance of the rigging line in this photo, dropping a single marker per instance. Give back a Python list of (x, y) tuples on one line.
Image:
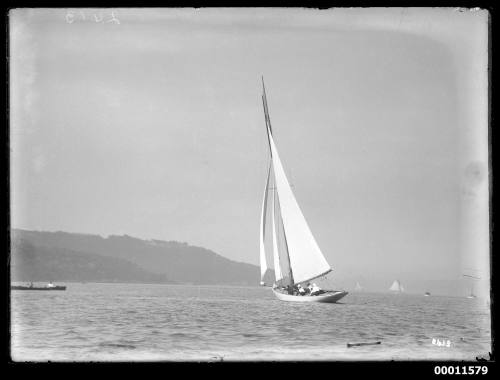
[(265, 202), (278, 226), (281, 225), (268, 129), (266, 109), (276, 234), (275, 251)]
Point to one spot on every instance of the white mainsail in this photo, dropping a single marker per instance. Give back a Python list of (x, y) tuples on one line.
[(396, 286), (263, 261), (306, 259), (358, 287)]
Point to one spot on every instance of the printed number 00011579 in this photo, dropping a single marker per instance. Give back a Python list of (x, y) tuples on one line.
[(461, 370)]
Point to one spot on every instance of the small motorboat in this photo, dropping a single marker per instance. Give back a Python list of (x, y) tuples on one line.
[(49, 286)]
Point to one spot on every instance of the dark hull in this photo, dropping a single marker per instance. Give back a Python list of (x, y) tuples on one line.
[(35, 288)]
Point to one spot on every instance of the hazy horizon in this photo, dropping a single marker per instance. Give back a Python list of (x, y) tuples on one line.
[(153, 127), (376, 284)]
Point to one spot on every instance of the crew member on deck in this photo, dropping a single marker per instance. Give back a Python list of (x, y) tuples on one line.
[(302, 292), (315, 290), (309, 288)]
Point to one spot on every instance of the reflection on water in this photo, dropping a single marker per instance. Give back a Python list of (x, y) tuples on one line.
[(122, 322)]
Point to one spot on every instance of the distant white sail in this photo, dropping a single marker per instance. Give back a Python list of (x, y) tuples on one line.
[(396, 286), (306, 260), (358, 287), (263, 261), (277, 270)]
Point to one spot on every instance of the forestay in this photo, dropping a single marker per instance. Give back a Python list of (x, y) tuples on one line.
[(263, 261)]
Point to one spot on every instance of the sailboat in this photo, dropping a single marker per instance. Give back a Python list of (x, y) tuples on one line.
[(471, 294), (358, 287), (397, 287), (297, 257)]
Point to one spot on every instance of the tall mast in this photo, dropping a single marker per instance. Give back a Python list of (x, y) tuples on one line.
[(266, 116), (270, 131)]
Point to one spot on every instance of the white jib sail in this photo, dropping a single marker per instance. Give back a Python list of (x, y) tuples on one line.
[(306, 260), (263, 261), (277, 269)]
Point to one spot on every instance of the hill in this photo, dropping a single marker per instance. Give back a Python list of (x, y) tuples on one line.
[(132, 258), (41, 264)]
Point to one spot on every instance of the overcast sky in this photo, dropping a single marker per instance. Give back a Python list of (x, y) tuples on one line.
[(149, 122)]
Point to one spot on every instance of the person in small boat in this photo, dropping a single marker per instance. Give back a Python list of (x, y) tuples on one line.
[(309, 288), (302, 291), (315, 290), (289, 289), (31, 284)]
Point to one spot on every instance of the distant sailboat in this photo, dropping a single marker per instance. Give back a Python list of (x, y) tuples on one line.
[(397, 287), (297, 257), (358, 287), (471, 294)]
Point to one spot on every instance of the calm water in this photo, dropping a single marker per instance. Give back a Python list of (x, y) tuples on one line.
[(122, 322)]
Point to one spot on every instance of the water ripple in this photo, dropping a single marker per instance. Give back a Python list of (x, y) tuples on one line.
[(116, 322)]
